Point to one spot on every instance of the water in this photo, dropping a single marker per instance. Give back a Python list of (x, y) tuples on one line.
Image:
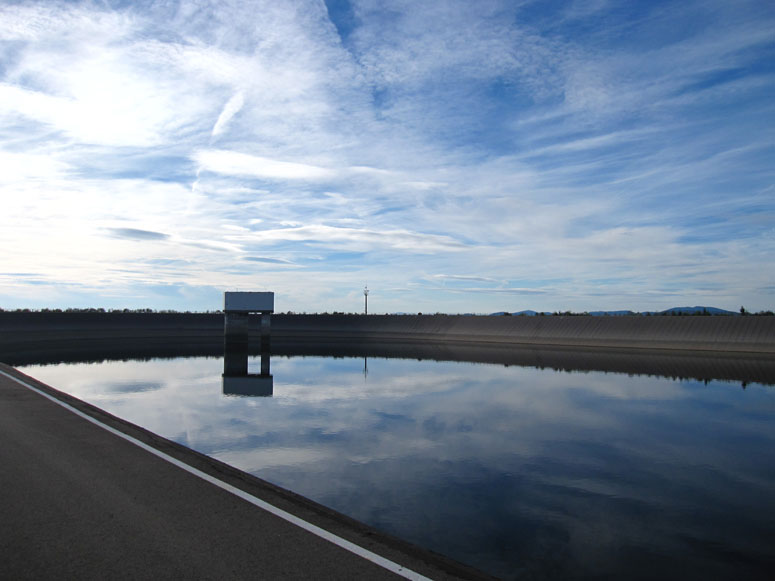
[(521, 472)]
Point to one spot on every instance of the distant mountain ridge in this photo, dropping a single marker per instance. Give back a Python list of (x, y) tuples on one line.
[(695, 310), (698, 310)]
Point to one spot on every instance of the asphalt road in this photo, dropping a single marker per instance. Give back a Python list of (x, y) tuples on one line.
[(79, 502)]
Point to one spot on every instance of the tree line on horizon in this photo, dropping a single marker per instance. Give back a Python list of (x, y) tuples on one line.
[(668, 313)]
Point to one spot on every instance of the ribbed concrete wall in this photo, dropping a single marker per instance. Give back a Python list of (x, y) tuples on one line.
[(18, 327), (754, 334), (739, 334)]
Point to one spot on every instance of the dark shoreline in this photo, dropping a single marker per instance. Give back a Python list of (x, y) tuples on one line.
[(751, 334), (39, 338)]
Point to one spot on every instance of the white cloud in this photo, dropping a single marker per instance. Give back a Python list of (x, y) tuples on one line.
[(463, 277), (20, 167), (361, 239), (231, 108), (92, 75), (242, 164)]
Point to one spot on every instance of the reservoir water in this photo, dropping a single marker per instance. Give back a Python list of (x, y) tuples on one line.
[(521, 472)]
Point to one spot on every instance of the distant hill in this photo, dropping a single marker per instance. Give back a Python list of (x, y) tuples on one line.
[(674, 311), (696, 310)]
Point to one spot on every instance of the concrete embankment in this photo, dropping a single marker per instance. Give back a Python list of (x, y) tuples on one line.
[(735, 334), (23, 327), (751, 334)]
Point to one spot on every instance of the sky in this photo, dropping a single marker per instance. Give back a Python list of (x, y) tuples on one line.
[(454, 156)]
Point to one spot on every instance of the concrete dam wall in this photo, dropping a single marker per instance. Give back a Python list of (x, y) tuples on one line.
[(751, 334), (735, 334)]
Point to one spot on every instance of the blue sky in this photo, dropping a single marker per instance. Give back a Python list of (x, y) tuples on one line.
[(454, 156)]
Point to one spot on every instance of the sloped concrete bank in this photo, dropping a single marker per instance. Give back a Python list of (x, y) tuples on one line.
[(21, 327), (729, 334), (749, 334)]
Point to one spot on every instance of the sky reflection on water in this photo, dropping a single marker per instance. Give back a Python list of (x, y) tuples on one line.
[(518, 471)]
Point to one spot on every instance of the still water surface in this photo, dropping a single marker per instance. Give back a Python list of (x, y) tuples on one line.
[(521, 472)]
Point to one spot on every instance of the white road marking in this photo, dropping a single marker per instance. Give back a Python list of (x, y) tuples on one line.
[(315, 530)]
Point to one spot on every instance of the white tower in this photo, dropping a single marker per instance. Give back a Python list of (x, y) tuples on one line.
[(366, 300)]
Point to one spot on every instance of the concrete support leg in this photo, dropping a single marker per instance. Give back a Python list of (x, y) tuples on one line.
[(235, 344), (265, 361), (266, 332), (235, 326), (235, 358)]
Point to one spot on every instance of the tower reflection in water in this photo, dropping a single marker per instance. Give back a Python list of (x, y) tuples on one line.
[(236, 379)]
